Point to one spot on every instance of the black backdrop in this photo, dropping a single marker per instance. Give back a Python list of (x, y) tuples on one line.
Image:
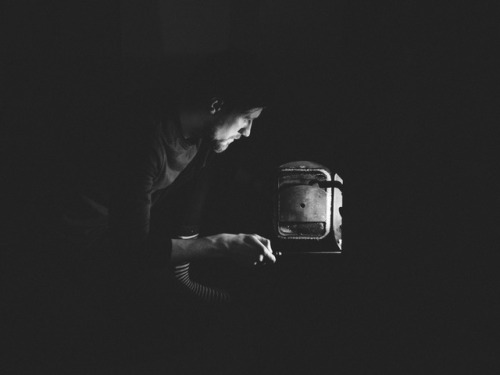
[(388, 95)]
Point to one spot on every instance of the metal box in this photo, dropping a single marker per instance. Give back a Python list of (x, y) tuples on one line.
[(303, 208)]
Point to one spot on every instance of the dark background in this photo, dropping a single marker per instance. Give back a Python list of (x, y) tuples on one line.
[(389, 95)]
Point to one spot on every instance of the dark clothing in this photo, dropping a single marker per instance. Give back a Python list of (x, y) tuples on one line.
[(128, 187), (130, 182), (120, 176)]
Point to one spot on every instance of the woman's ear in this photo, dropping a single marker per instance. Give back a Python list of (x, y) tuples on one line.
[(216, 104)]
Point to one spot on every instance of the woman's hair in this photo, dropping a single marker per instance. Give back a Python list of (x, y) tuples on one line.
[(240, 79)]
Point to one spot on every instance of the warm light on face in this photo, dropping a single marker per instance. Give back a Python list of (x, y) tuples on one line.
[(233, 127)]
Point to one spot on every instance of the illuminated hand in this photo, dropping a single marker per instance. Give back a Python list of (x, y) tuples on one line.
[(246, 249)]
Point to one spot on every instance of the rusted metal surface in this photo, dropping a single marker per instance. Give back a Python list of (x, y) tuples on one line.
[(303, 203), (304, 210)]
